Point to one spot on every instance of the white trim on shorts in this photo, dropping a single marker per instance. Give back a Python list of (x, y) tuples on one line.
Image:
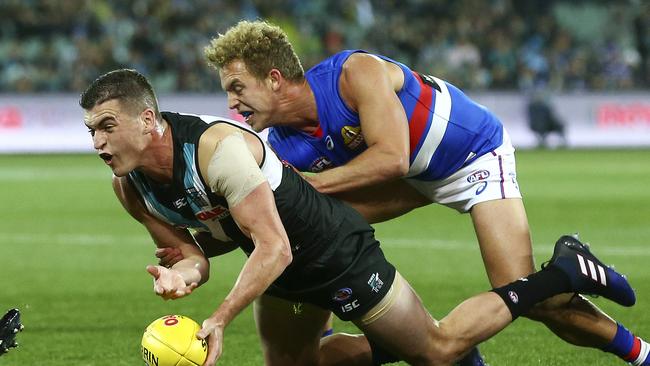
[(491, 176)]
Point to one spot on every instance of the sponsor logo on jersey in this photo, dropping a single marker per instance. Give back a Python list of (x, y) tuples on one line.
[(478, 176), (430, 81), (352, 137), (320, 164), (329, 143), (342, 294), (196, 197), (217, 212), (375, 283), (180, 203)]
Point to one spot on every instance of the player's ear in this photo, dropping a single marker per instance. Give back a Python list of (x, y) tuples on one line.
[(148, 118), (275, 79)]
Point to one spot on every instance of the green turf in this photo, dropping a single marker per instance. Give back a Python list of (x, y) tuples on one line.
[(73, 261)]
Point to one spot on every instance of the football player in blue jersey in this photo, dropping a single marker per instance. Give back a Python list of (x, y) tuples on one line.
[(362, 120)]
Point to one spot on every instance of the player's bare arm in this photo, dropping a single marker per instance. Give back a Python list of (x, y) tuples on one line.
[(211, 248), (375, 205), (185, 275), (367, 85), (232, 170)]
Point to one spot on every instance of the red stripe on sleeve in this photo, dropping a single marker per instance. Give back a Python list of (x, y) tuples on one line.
[(420, 115)]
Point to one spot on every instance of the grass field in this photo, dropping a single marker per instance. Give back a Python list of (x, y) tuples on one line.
[(74, 262)]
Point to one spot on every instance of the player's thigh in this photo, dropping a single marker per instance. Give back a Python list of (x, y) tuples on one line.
[(290, 332), (504, 238), (402, 325)]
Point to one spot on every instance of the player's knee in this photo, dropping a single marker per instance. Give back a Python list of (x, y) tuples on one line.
[(345, 349)]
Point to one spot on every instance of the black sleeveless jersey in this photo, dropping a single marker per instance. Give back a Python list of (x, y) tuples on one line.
[(316, 224)]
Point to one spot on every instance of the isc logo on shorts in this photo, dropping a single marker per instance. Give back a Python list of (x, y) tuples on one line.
[(350, 306), (478, 176)]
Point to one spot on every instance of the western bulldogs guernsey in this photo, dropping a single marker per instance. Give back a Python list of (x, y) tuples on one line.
[(447, 130), (315, 223)]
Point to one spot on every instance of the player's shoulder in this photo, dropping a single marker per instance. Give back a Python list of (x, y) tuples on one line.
[(360, 59), (332, 63), (359, 70)]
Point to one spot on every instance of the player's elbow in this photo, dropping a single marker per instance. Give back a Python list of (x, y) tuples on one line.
[(205, 276), (390, 161), (285, 257), (277, 252), (203, 272), (397, 166), (403, 166)]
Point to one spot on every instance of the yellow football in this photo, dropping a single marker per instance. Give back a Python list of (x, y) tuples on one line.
[(171, 341)]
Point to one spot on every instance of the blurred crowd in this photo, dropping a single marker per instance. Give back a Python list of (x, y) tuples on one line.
[(571, 45)]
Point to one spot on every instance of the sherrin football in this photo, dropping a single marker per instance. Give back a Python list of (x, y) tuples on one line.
[(171, 341)]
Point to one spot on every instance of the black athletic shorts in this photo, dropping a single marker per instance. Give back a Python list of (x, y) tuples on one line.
[(349, 278)]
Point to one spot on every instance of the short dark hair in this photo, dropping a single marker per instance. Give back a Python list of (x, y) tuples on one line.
[(128, 86)]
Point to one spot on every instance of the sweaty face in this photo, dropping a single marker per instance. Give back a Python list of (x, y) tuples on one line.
[(118, 135), (251, 97)]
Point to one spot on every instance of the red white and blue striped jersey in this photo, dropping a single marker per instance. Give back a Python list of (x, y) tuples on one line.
[(447, 130)]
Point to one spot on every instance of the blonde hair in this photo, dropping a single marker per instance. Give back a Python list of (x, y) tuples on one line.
[(260, 45)]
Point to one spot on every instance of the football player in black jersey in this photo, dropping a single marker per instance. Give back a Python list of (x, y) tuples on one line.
[(174, 171)]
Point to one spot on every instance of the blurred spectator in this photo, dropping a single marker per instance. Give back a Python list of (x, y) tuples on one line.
[(642, 37), (61, 45), (543, 121)]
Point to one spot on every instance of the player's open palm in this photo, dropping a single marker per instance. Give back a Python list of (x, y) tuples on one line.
[(214, 334), (169, 284)]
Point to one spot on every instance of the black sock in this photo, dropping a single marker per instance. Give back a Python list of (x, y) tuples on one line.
[(524, 293), (381, 356)]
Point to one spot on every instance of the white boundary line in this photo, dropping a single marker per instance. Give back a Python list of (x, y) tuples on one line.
[(386, 242)]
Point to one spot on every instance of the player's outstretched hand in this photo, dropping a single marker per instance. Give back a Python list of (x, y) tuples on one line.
[(213, 332), (9, 326), (169, 284), (168, 256)]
